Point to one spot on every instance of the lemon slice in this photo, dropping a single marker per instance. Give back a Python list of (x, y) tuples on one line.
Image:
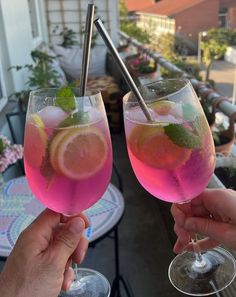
[(78, 153), (54, 145), (163, 107), (152, 146), (36, 141)]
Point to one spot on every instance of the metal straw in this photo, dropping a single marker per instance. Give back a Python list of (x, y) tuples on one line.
[(86, 48), (105, 36)]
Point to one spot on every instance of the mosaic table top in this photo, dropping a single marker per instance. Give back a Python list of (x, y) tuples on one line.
[(19, 208)]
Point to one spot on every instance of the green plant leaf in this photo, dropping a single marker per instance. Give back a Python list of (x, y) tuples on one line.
[(65, 99), (2, 146), (77, 118), (182, 137)]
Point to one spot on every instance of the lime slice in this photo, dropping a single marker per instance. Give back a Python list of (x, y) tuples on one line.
[(36, 141)]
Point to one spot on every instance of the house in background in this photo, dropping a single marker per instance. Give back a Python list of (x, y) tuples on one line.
[(134, 5), (227, 14), (187, 18)]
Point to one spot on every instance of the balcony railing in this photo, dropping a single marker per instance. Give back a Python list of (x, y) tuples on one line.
[(202, 89)]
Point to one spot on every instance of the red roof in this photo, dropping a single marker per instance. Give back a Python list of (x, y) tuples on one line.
[(136, 5), (170, 7)]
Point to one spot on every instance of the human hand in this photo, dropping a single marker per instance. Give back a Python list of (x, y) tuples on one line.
[(39, 264), (211, 214)]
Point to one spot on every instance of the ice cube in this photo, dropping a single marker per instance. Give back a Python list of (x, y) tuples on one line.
[(52, 116)]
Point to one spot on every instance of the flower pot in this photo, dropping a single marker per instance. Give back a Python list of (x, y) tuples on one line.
[(226, 170), (227, 138)]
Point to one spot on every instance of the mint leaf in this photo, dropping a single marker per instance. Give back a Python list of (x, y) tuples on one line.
[(65, 99), (77, 118), (182, 137)]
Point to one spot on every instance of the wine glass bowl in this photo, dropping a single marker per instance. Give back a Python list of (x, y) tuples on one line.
[(173, 157), (68, 161), (68, 155), (175, 149)]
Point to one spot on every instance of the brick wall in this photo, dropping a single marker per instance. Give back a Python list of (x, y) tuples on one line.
[(232, 17), (226, 3), (198, 18)]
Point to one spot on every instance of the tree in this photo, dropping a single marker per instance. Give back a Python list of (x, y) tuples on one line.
[(172, 48), (123, 9), (130, 27), (214, 46)]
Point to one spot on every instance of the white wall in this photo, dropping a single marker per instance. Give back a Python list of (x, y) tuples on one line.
[(74, 17), (230, 55), (18, 39)]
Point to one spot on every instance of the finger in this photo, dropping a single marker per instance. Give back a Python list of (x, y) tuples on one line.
[(203, 244), (69, 276), (67, 239), (200, 211), (39, 233), (179, 247), (178, 215), (218, 231), (80, 252), (65, 218), (46, 219), (220, 202), (183, 235)]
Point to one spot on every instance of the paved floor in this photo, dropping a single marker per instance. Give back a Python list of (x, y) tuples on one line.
[(223, 73)]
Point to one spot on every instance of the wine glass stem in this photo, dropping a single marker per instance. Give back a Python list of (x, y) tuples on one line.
[(197, 251), (75, 268)]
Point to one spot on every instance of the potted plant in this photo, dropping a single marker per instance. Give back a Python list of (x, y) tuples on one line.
[(42, 74), (9, 154), (224, 139), (226, 170), (141, 65)]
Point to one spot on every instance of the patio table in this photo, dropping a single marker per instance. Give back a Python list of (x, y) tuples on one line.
[(19, 208)]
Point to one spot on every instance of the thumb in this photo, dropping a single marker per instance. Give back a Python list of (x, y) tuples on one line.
[(208, 227), (67, 239)]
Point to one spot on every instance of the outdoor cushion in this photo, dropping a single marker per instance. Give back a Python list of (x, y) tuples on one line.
[(71, 60)]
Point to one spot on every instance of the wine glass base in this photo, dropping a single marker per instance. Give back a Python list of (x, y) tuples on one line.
[(215, 275), (90, 283)]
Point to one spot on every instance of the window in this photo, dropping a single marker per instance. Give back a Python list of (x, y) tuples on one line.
[(35, 21), (223, 20)]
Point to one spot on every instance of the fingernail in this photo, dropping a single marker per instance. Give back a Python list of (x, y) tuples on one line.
[(82, 256), (189, 225), (76, 225), (68, 285)]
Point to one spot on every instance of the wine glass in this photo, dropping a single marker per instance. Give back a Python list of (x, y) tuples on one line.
[(68, 161), (173, 158)]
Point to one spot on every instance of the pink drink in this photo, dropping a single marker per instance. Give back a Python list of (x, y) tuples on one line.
[(61, 189), (176, 174)]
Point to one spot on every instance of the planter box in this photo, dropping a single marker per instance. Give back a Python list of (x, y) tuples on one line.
[(227, 175)]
